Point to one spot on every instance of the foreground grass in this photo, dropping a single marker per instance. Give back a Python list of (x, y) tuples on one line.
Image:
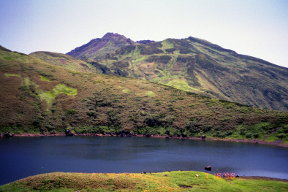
[(165, 181)]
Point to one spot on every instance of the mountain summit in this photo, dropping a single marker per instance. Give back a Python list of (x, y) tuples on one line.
[(99, 48), (194, 65)]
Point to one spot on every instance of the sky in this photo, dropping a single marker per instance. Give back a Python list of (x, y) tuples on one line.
[(257, 28)]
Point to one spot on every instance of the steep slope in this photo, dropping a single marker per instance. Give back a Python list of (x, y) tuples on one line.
[(66, 61), (100, 47), (43, 98), (201, 67)]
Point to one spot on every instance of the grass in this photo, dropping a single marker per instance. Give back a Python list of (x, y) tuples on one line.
[(49, 96), (43, 78), (150, 94), (65, 61), (181, 84), (126, 90), (164, 181), (26, 81), (166, 44), (63, 89), (12, 75)]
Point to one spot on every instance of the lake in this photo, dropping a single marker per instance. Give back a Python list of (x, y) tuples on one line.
[(22, 157)]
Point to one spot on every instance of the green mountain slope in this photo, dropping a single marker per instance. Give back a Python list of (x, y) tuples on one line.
[(198, 66), (66, 61), (40, 97)]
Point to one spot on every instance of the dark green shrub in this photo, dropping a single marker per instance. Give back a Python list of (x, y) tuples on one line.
[(71, 112)]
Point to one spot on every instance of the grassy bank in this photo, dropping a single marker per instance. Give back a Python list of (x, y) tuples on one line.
[(164, 181)]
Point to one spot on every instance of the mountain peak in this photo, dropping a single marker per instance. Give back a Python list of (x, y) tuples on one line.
[(110, 35), (116, 37), (100, 47)]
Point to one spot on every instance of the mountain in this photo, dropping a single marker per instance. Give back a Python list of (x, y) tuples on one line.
[(193, 65), (41, 97), (100, 47), (65, 61)]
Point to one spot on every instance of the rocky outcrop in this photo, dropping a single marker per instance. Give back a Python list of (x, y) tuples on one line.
[(208, 168)]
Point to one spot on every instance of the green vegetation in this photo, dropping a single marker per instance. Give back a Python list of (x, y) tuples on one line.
[(126, 91), (181, 84), (12, 75), (49, 96), (166, 44), (43, 78), (104, 104), (260, 130), (150, 93), (61, 88), (65, 61), (26, 82), (164, 181), (96, 129), (193, 65)]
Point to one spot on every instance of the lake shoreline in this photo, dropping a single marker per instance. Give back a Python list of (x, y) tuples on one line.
[(263, 178), (253, 141)]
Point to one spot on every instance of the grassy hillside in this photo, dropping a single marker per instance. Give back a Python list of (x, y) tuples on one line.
[(200, 67), (165, 181), (38, 97), (65, 61)]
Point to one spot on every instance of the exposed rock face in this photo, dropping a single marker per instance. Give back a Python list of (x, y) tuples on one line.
[(68, 132), (208, 168)]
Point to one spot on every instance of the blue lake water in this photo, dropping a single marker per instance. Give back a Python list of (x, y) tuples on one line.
[(22, 157)]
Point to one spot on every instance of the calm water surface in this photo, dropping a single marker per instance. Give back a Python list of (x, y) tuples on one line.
[(22, 157)]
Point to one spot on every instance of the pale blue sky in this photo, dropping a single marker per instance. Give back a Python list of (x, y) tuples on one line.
[(254, 27)]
